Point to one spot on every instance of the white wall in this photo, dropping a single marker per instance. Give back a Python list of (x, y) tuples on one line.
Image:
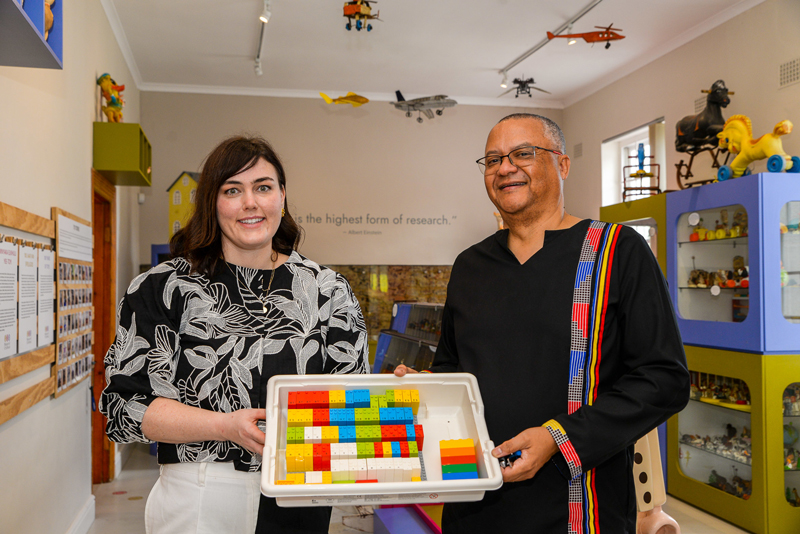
[(46, 157), (340, 160), (745, 51)]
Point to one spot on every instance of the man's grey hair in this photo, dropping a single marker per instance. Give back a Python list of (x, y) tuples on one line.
[(551, 129)]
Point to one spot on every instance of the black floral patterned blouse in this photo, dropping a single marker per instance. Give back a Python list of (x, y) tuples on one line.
[(214, 343)]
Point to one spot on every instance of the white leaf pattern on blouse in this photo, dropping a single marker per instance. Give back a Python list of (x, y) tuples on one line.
[(224, 340)]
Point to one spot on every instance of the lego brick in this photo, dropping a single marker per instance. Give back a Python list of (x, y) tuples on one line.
[(349, 403), (420, 436), (414, 401), (416, 479), (459, 476), (404, 449), (455, 443), (327, 477), (410, 436), (455, 460), (465, 451), (361, 398), (344, 482), (405, 398), (395, 449), (366, 481), (373, 401), (347, 434), (413, 451), (297, 478), (459, 468), (390, 398), (292, 400), (382, 401), (321, 417), (387, 449), (336, 399), (378, 448)]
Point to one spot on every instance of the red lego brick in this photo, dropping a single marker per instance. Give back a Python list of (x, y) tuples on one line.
[(404, 449), (378, 449), (324, 399), (321, 417), (457, 460), (420, 436), (302, 400), (367, 481), (292, 400), (386, 433)]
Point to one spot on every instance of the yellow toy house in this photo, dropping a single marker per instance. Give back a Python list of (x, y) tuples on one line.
[(181, 200)]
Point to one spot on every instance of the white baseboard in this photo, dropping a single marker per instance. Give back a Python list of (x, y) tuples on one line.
[(83, 522)]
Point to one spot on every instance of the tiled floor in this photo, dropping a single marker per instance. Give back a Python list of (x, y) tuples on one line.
[(120, 505)]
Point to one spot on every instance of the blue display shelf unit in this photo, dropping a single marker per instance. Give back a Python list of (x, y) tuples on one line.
[(752, 319), (22, 42)]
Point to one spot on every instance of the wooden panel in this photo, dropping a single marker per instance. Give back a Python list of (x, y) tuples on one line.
[(28, 222), (55, 212), (25, 363), (23, 400)]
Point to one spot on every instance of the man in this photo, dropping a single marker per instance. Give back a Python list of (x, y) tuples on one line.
[(568, 327)]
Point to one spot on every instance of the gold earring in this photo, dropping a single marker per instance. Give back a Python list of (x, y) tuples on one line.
[(283, 212)]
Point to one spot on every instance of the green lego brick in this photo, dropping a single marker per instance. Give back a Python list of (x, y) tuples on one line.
[(460, 468)]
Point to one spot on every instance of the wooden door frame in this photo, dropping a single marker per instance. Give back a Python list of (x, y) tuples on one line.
[(103, 450)]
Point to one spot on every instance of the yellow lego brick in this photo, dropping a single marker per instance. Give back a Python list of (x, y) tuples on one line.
[(303, 464), (456, 443), (336, 399), (406, 398), (414, 400), (334, 434), (416, 479), (326, 477), (304, 417), (297, 478), (284, 482), (387, 449), (373, 401)]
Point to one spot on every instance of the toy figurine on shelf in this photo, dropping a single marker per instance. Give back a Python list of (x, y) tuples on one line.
[(792, 497), (698, 278), (789, 459), (721, 230), (737, 137), (790, 435), (740, 220), (112, 94)]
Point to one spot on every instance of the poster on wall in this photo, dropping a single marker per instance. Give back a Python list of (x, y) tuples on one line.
[(9, 259), (74, 240), (27, 297), (45, 296)]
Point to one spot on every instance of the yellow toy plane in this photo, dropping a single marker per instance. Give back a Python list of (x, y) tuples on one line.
[(350, 98)]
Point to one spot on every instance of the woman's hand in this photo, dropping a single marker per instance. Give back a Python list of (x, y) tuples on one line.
[(401, 370), (537, 446), (241, 428)]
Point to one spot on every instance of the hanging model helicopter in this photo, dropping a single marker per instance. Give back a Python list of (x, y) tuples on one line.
[(606, 34), (424, 105), (359, 11), (523, 86)]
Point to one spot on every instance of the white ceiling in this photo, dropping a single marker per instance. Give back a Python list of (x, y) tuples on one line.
[(422, 47)]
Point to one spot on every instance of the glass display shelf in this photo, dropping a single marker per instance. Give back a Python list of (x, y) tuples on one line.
[(724, 404), (746, 461), (725, 241)]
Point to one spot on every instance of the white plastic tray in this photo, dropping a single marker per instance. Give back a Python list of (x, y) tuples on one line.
[(450, 408)]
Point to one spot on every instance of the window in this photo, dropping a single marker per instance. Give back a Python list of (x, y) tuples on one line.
[(623, 178), (176, 198)]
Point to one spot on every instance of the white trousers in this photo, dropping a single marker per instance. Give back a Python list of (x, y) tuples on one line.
[(203, 498)]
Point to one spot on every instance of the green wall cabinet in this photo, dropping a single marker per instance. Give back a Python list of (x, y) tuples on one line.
[(122, 153)]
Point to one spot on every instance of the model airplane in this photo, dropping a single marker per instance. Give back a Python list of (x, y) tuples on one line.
[(360, 11), (424, 105), (606, 34), (523, 87), (350, 98)]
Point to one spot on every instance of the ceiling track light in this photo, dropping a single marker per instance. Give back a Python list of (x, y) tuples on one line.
[(504, 83), (572, 41), (257, 68), (266, 13)]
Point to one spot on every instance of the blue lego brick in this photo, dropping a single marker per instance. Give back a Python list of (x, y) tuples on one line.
[(459, 476), (349, 418), (347, 434), (408, 416), (361, 398), (335, 416), (410, 434), (396, 449), (349, 399)]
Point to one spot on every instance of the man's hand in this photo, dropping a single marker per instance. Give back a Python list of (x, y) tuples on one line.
[(537, 446), (402, 370)]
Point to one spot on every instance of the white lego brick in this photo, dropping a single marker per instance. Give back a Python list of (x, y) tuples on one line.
[(372, 468), (352, 451), (334, 452), (316, 434), (416, 467), (308, 434), (314, 477), (352, 469), (361, 469)]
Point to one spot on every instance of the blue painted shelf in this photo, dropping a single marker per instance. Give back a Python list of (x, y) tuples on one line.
[(22, 42)]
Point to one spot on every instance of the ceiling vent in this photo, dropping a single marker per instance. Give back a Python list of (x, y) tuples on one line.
[(790, 72), (577, 150)]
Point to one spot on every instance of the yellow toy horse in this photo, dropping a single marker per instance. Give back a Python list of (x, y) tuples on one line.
[(737, 137)]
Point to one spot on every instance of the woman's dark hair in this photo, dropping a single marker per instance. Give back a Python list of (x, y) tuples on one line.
[(200, 241)]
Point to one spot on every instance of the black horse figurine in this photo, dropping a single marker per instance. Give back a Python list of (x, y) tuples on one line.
[(696, 132)]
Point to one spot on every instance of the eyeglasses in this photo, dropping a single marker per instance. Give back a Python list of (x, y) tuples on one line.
[(520, 157)]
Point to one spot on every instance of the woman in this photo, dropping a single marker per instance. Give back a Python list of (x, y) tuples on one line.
[(200, 336)]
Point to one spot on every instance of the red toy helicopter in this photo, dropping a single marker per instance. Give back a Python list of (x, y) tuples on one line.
[(607, 34), (361, 12)]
